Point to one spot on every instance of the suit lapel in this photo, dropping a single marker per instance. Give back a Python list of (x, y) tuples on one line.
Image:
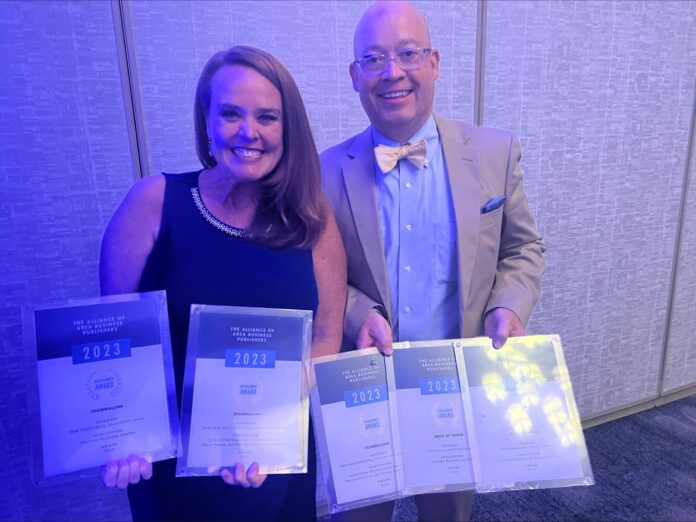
[(359, 179), (463, 174)]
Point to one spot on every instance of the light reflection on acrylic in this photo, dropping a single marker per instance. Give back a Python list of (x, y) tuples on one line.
[(559, 420), (516, 415), (524, 426), (494, 386), (517, 375)]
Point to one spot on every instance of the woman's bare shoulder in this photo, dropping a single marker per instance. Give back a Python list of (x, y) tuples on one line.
[(148, 191)]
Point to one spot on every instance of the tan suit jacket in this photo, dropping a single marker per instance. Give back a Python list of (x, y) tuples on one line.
[(499, 254)]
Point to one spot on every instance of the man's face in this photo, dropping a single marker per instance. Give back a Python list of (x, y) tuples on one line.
[(397, 102)]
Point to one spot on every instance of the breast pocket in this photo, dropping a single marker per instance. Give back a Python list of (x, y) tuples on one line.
[(491, 218), (445, 252)]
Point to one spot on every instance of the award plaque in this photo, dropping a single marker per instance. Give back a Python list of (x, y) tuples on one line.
[(521, 415), (353, 430), (446, 415), (389, 427), (102, 377), (428, 419), (245, 395)]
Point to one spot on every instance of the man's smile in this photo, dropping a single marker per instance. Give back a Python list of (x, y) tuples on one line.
[(391, 95)]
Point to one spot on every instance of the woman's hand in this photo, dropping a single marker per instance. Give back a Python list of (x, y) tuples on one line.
[(236, 476), (121, 473)]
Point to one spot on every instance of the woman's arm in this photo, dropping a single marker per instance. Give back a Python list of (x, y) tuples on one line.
[(128, 240), (330, 273), (130, 237)]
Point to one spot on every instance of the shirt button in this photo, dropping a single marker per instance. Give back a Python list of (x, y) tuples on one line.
[(409, 227), (408, 185), (407, 268), (407, 309)]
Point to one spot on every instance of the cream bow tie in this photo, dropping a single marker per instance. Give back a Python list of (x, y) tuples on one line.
[(387, 157)]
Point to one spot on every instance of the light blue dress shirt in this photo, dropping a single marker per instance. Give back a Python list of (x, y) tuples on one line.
[(419, 235)]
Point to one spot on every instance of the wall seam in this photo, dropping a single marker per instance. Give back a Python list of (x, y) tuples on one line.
[(686, 182), (480, 64), (130, 87)]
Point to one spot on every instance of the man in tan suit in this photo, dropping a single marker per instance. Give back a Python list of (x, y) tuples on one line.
[(437, 229)]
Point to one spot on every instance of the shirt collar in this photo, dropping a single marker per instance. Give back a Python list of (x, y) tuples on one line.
[(427, 132)]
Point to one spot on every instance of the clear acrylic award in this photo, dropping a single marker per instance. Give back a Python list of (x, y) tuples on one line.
[(523, 422), (245, 396), (101, 382), (353, 431)]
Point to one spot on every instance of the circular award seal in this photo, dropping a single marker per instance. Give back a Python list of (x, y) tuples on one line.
[(103, 383)]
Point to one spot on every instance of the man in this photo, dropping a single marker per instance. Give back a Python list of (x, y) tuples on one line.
[(438, 233)]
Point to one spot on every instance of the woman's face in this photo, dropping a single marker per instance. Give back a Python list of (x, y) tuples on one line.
[(245, 123)]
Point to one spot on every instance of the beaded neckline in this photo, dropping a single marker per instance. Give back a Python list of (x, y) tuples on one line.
[(223, 227)]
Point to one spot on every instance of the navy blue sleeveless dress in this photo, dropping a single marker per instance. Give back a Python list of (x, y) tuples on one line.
[(198, 259)]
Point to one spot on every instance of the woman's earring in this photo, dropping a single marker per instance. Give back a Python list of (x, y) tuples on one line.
[(210, 148)]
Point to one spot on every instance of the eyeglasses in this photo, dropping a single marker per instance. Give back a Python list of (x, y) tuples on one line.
[(407, 59)]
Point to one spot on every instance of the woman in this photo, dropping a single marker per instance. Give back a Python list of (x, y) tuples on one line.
[(249, 229)]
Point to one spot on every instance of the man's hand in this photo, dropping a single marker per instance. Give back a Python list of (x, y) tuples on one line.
[(237, 476), (501, 323), (375, 331)]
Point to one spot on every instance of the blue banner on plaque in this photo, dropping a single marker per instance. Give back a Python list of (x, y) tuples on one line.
[(432, 364), (101, 351), (366, 395), (59, 329), (247, 358), (439, 385), (220, 332), (347, 375)]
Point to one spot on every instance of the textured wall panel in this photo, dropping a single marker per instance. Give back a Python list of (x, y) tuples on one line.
[(174, 39), (680, 364), (65, 165), (600, 94)]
